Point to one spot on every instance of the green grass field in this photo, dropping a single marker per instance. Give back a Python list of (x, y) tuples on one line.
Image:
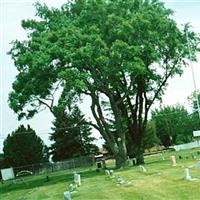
[(160, 182)]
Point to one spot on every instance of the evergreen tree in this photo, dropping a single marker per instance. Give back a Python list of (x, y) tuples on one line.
[(71, 135), (24, 147)]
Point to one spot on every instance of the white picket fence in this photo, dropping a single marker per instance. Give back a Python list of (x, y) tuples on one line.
[(186, 146)]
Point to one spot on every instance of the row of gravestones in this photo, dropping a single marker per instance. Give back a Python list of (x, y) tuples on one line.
[(119, 180), (73, 186)]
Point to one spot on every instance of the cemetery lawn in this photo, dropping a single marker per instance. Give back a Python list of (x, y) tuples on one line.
[(160, 182)]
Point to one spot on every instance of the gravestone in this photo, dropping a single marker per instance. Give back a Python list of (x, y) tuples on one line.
[(198, 165), (67, 195), (111, 173), (187, 175), (77, 179), (173, 160), (121, 181), (107, 172), (142, 169)]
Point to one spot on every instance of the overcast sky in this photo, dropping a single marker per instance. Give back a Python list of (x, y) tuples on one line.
[(13, 11)]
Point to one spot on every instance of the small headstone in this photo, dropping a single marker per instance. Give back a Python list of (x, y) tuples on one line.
[(173, 160), (187, 175), (107, 172), (67, 195), (121, 181), (111, 173), (77, 179), (142, 169), (198, 165)]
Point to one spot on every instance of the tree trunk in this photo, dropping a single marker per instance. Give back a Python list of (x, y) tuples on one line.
[(120, 153), (139, 154)]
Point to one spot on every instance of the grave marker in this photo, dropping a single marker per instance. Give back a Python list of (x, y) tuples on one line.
[(187, 175), (198, 165), (67, 195), (107, 172), (142, 169), (111, 173), (77, 179), (173, 161)]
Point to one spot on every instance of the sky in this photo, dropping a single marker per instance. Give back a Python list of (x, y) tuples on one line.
[(11, 14)]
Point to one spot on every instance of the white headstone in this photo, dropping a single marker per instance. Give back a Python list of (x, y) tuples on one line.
[(7, 174), (198, 165), (67, 195), (187, 175), (142, 169), (111, 173), (77, 179), (107, 172)]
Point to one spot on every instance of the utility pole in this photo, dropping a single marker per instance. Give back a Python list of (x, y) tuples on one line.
[(193, 76)]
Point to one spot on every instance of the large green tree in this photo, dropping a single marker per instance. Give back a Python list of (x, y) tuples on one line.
[(121, 52), (174, 125), (24, 147)]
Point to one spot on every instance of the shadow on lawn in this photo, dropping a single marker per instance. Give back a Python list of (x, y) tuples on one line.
[(40, 180)]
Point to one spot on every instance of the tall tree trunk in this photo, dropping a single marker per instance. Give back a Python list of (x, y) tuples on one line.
[(139, 154), (120, 154)]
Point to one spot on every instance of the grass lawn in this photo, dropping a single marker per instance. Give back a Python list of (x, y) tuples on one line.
[(160, 182)]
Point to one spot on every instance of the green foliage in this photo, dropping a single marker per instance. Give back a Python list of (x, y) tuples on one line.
[(24, 147), (150, 137), (173, 125), (71, 135)]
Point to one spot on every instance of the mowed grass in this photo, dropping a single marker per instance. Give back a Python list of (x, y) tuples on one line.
[(160, 182)]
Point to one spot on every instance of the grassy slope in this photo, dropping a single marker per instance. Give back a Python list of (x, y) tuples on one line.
[(160, 182)]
